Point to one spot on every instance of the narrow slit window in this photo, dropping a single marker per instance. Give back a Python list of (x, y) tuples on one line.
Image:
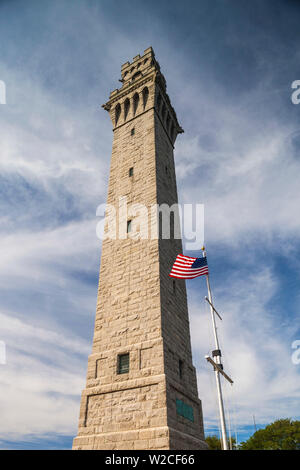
[(129, 226), (180, 368), (131, 171), (123, 363), (132, 131)]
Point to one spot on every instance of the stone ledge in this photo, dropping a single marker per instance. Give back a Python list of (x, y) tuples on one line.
[(125, 385), (140, 345), (192, 443)]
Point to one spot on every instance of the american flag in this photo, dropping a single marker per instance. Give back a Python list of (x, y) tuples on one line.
[(186, 267)]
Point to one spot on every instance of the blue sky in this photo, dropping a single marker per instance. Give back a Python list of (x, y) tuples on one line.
[(229, 67)]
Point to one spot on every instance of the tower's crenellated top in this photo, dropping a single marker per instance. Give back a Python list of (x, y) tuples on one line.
[(143, 88), (140, 67)]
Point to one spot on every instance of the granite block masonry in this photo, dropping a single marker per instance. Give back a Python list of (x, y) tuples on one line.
[(141, 389)]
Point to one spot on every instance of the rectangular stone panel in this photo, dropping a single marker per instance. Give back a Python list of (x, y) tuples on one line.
[(124, 409)]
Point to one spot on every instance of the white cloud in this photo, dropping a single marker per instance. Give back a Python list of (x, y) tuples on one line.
[(41, 381), (247, 173)]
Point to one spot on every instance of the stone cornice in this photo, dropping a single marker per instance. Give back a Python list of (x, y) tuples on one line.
[(124, 385), (129, 89)]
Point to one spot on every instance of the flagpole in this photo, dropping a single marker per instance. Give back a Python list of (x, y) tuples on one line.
[(217, 355)]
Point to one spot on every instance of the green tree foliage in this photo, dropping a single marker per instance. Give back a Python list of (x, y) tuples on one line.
[(214, 443), (283, 434)]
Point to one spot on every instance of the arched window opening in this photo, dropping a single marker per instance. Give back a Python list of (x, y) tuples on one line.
[(117, 113), (126, 108), (168, 121), (172, 131), (135, 102), (158, 102), (163, 112), (145, 96)]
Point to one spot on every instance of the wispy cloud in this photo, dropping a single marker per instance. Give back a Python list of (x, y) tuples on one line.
[(41, 381)]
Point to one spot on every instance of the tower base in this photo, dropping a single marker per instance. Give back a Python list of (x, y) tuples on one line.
[(160, 438)]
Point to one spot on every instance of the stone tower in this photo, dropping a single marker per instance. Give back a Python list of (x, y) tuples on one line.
[(141, 390)]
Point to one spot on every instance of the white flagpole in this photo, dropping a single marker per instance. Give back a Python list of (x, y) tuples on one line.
[(217, 356)]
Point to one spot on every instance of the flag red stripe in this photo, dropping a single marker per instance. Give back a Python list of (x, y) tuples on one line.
[(187, 276), (177, 271), (192, 270)]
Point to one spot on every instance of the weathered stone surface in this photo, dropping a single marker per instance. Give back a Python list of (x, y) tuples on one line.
[(138, 312)]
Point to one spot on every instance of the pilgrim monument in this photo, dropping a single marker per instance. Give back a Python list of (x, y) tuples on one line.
[(141, 390)]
